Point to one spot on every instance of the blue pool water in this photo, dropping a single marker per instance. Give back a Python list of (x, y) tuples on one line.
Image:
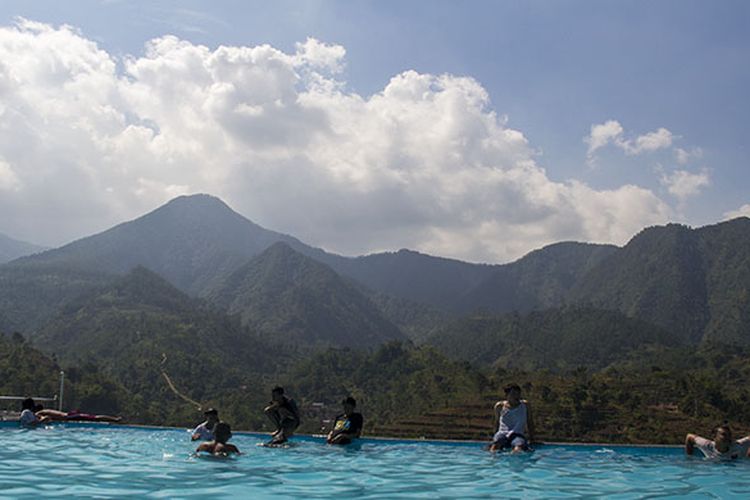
[(115, 461)]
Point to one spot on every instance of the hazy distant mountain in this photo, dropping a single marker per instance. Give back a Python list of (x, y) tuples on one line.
[(30, 296), (554, 339), (726, 247), (694, 282), (196, 241), (12, 249), (659, 276), (191, 241), (412, 275), (539, 280), (292, 298)]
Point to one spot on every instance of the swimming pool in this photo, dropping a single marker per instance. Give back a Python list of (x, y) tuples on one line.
[(114, 461)]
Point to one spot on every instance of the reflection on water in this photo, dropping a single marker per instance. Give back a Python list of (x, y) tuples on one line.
[(84, 460)]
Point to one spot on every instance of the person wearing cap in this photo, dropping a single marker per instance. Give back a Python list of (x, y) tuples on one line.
[(205, 431), (348, 426), (513, 423)]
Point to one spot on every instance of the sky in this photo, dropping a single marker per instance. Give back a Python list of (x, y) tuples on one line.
[(474, 130)]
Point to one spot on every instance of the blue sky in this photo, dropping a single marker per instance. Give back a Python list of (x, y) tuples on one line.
[(553, 68)]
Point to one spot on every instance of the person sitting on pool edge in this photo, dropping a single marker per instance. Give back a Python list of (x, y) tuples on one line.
[(28, 416), (283, 414), (205, 431), (513, 422), (722, 447), (219, 445), (348, 426)]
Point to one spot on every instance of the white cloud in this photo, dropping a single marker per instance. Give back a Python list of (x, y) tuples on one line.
[(8, 179), (743, 211), (425, 163), (684, 156), (611, 132), (660, 139), (603, 134), (683, 184)]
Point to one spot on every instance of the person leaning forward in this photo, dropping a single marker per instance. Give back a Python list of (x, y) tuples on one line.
[(283, 414)]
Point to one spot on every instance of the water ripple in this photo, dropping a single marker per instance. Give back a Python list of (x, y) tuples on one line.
[(78, 460)]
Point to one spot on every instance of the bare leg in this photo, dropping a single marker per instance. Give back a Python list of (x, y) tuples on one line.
[(275, 418), (107, 418)]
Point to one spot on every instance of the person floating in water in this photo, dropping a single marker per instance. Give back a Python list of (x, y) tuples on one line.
[(205, 431), (28, 416), (219, 447), (283, 414), (722, 447), (515, 427), (75, 415), (348, 426)]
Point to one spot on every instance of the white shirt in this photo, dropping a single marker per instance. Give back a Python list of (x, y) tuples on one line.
[(738, 449), (27, 418), (513, 420), (204, 433)]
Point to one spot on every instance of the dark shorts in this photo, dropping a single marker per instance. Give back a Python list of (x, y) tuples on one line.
[(511, 440)]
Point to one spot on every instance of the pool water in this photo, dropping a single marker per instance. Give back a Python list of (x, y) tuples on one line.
[(113, 461)]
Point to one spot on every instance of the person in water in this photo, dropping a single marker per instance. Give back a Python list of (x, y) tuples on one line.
[(722, 446), (219, 447), (28, 416), (75, 415), (348, 426), (513, 423), (205, 431), (283, 414)]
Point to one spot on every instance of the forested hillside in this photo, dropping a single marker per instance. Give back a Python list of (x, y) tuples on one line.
[(285, 295), (553, 339)]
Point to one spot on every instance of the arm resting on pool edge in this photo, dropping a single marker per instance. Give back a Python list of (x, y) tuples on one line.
[(690, 444)]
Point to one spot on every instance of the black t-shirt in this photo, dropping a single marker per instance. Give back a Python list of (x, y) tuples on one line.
[(349, 425)]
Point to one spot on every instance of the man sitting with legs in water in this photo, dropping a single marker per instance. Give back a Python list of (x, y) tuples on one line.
[(348, 426), (722, 447), (512, 421), (283, 414)]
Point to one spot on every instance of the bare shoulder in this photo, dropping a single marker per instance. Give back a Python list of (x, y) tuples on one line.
[(500, 404)]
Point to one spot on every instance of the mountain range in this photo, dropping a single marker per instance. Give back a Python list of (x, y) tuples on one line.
[(11, 249), (692, 284)]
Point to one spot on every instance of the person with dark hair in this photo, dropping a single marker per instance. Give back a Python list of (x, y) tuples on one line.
[(348, 426), (28, 416), (722, 447), (513, 423), (205, 431), (222, 432), (283, 414)]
